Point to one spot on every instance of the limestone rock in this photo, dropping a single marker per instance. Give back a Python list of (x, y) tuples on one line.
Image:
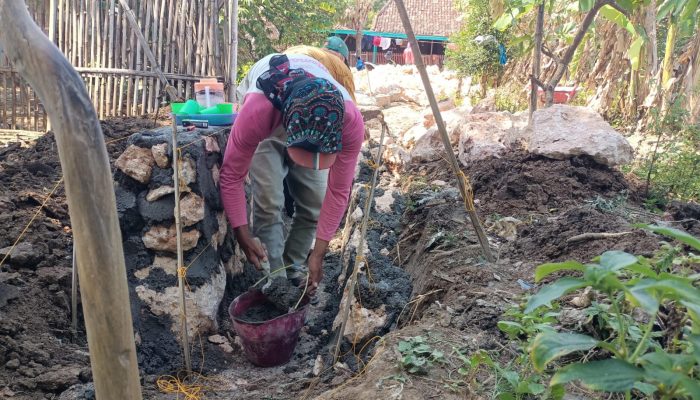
[(488, 134), (563, 131), (396, 155), (157, 193), (188, 171), (216, 175), (370, 112), (202, 303), (362, 322), (137, 162), (191, 209), (211, 145), (167, 264), (384, 202), (383, 100), (160, 155), (163, 239), (218, 237)]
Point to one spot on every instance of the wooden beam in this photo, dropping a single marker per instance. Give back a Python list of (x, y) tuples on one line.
[(91, 200)]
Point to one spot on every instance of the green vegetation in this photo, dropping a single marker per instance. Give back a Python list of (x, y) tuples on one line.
[(472, 56), (642, 327)]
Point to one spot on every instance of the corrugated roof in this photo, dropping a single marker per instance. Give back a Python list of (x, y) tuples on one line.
[(428, 17)]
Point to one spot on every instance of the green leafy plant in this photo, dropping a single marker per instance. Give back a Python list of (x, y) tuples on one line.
[(631, 357), (417, 356)]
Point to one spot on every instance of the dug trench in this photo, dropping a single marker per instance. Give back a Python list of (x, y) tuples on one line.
[(423, 276)]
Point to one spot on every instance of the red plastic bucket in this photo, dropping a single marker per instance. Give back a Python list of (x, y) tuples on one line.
[(269, 343)]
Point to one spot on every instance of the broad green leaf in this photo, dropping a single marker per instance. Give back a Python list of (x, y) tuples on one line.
[(504, 21), (512, 377), (618, 18), (536, 388), (611, 375), (510, 328), (616, 260), (585, 5), (645, 388), (553, 291), (665, 9), (549, 346), (673, 289), (642, 298), (694, 340), (635, 52), (643, 268), (547, 269), (693, 310), (690, 387), (404, 346), (677, 234)]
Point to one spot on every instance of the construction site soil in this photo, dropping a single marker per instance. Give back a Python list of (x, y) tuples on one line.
[(423, 248)]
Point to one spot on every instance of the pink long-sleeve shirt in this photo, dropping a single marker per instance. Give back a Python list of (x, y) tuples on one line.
[(255, 122)]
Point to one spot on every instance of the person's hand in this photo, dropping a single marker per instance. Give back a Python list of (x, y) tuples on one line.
[(315, 264), (252, 247)]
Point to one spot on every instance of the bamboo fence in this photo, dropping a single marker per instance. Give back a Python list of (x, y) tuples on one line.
[(188, 38)]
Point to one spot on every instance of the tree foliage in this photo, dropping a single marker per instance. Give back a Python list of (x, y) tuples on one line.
[(267, 26), (471, 56)]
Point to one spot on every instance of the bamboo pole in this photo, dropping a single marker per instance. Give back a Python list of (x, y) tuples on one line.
[(180, 266), (102, 46), (93, 51), (464, 185), (123, 63), (137, 50), (110, 57), (159, 49), (144, 44), (91, 201), (199, 62), (349, 292), (233, 48), (536, 60)]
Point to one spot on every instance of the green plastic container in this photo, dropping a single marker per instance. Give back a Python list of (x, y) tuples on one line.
[(219, 115)]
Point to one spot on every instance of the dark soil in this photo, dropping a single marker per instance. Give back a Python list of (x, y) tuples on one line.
[(39, 355), (520, 182), (282, 293)]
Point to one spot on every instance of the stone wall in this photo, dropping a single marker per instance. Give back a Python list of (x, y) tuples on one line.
[(143, 181)]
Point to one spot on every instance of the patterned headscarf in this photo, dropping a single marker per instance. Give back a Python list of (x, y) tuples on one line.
[(312, 108)]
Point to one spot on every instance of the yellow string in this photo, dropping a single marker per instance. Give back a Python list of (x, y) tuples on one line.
[(198, 140), (373, 164), (36, 214), (469, 192)]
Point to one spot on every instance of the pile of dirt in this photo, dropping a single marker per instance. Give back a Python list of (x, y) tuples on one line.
[(520, 183), (38, 352)]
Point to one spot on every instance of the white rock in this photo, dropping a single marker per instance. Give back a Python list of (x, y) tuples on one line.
[(396, 155), (562, 131), (357, 214), (218, 237), (163, 239), (137, 162), (488, 134), (191, 209), (384, 202), (385, 252), (157, 193), (211, 144), (362, 322), (160, 155), (202, 304), (188, 171), (382, 100)]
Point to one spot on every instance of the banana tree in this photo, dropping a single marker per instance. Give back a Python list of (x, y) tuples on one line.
[(682, 17)]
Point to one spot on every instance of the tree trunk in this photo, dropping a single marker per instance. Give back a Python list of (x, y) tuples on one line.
[(563, 63), (536, 60), (91, 200), (358, 44), (652, 46), (667, 73)]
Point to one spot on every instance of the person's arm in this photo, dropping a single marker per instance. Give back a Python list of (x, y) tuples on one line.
[(340, 180), (254, 123)]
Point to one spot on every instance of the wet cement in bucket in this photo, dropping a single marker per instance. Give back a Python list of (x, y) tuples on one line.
[(282, 297)]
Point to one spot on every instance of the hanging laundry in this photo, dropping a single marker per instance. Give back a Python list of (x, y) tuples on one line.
[(399, 42), (385, 43), (367, 43), (502, 56)]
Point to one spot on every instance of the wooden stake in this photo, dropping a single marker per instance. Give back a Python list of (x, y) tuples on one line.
[(536, 60), (91, 201), (464, 186), (349, 292)]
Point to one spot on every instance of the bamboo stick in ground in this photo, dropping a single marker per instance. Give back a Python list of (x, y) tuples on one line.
[(145, 23), (110, 57), (122, 64), (349, 292), (198, 39), (464, 185), (233, 48)]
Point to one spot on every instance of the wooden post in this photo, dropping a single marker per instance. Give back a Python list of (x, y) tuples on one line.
[(464, 186), (91, 201)]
